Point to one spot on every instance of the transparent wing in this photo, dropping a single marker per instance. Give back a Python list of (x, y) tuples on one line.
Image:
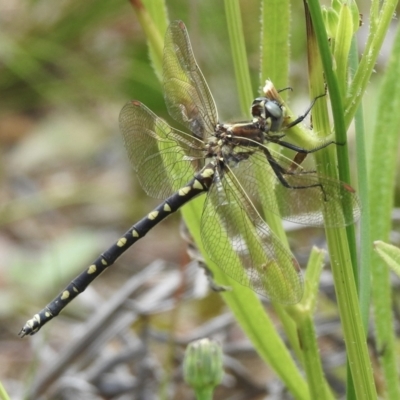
[(186, 92), (305, 206), (259, 259), (160, 155)]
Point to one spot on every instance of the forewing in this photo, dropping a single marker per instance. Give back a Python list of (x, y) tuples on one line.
[(241, 243), (306, 205), (186, 92), (160, 155)]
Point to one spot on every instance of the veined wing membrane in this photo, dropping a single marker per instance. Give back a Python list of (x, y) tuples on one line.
[(160, 155), (187, 95), (300, 205), (241, 243)]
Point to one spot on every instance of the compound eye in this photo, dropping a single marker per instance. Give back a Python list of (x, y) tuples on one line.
[(259, 100), (257, 108), (274, 109)]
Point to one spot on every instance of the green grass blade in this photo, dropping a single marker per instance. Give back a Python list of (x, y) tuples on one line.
[(390, 254), (275, 44), (382, 176), (153, 19), (238, 49), (377, 33), (342, 46)]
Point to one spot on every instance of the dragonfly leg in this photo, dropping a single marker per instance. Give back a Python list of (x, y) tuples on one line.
[(301, 117), (280, 173), (286, 88), (299, 149)]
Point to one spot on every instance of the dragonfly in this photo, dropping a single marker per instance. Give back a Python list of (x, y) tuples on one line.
[(223, 161)]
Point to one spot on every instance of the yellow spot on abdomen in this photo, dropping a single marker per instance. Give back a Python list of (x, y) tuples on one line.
[(207, 173), (184, 191), (197, 185), (103, 261), (65, 295), (153, 215), (121, 242), (135, 233), (167, 207), (92, 269)]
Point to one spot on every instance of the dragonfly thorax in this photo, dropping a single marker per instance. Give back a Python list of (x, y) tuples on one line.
[(232, 143), (240, 134)]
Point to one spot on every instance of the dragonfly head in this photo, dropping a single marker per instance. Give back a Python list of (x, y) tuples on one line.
[(269, 113)]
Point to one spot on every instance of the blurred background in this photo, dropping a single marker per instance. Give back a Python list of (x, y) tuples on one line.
[(68, 191)]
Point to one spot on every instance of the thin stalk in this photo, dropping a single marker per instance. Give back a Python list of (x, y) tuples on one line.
[(341, 258), (364, 273), (303, 315), (378, 29)]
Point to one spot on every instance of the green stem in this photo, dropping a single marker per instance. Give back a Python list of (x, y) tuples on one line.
[(303, 315), (204, 393), (341, 258), (364, 277)]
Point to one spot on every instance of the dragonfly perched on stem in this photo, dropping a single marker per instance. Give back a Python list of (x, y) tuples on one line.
[(218, 159)]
